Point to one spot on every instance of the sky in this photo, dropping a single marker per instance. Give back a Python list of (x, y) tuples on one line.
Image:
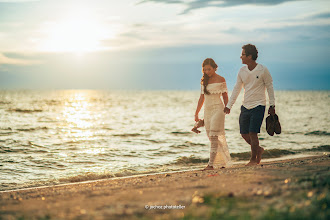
[(160, 44)]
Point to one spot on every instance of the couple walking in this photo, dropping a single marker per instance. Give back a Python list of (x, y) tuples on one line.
[(255, 79)]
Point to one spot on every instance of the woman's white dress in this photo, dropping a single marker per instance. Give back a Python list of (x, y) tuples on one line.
[(214, 121)]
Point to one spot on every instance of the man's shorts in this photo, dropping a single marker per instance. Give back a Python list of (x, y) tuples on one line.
[(250, 120)]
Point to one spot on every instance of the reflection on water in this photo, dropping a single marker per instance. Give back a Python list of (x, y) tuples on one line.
[(58, 134), (77, 113)]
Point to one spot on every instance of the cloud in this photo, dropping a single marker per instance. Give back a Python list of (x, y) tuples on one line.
[(17, 1), (16, 61), (168, 34), (197, 4), (322, 15), (187, 30)]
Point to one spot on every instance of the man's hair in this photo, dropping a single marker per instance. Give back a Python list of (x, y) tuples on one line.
[(250, 49)]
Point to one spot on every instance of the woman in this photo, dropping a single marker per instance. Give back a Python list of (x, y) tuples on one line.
[(213, 88)]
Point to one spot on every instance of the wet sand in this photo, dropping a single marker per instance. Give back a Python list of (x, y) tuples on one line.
[(157, 196)]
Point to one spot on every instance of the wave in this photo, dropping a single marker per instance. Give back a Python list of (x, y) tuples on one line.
[(32, 129), (273, 153), (6, 129), (179, 146), (190, 160), (187, 144), (100, 175), (129, 135), (87, 176), (4, 149), (194, 144), (4, 103), (164, 153), (6, 133), (154, 141), (24, 110), (181, 132), (325, 148), (52, 102), (320, 133)]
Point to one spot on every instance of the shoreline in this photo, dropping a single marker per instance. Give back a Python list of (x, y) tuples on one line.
[(235, 163), (195, 190)]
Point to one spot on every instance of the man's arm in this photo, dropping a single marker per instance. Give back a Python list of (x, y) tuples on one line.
[(270, 90), (237, 89)]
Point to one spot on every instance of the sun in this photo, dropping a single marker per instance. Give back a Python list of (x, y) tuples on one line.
[(77, 35)]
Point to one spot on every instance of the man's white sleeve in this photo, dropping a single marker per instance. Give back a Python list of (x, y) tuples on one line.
[(269, 85), (237, 89)]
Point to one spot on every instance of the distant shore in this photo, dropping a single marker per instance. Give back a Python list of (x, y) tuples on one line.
[(274, 188)]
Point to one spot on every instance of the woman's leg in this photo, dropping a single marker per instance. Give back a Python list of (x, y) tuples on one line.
[(214, 148), (213, 152)]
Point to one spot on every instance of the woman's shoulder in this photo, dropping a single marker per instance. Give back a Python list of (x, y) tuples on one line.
[(221, 79)]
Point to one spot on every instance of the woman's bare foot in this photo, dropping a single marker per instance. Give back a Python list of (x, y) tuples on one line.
[(208, 168), (259, 154), (251, 163)]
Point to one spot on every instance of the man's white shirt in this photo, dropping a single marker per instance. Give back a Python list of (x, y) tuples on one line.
[(255, 83)]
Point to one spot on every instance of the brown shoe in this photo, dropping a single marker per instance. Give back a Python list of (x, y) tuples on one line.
[(277, 125), (198, 124), (270, 125)]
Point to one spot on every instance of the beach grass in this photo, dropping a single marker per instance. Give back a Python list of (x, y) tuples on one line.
[(302, 198)]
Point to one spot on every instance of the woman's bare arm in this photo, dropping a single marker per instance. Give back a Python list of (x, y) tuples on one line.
[(199, 106), (225, 98)]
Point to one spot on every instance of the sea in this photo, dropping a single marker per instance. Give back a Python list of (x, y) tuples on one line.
[(50, 137)]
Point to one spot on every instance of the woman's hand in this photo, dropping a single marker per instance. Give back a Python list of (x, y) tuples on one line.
[(199, 106), (196, 118)]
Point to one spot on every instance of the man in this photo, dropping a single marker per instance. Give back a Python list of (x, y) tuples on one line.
[(255, 78)]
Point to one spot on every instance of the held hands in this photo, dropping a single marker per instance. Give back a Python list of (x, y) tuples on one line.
[(226, 110)]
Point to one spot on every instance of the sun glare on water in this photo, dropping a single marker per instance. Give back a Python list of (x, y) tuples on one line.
[(77, 35)]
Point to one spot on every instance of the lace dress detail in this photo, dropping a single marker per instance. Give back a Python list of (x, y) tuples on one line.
[(214, 120), (216, 88)]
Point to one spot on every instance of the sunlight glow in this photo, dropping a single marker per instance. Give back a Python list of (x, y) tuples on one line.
[(78, 34)]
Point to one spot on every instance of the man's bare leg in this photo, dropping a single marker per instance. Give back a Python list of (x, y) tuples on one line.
[(256, 152), (253, 158), (259, 154), (255, 145)]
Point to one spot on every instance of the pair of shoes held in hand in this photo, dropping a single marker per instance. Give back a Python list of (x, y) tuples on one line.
[(273, 125), (198, 124)]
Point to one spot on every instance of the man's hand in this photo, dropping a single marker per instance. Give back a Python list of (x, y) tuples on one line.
[(226, 110), (271, 110)]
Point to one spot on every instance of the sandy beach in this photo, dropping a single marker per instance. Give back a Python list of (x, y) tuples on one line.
[(286, 186)]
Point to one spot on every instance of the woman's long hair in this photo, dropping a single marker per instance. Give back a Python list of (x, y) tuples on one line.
[(205, 78)]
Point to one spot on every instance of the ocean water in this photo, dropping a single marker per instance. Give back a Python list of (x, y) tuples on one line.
[(60, 136)]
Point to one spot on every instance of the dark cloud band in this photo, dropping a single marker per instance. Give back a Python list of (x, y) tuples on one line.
[(197, 4)]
